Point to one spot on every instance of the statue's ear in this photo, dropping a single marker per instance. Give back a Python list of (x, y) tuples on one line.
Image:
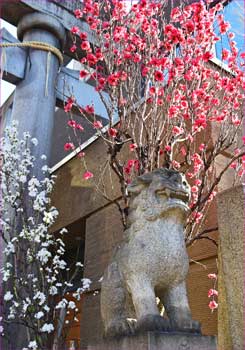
[(139, 183), (145, 178), (135, 187)]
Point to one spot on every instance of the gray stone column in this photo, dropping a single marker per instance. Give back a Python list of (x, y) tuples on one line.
[(231, 269), (34, 102), (34, 105)]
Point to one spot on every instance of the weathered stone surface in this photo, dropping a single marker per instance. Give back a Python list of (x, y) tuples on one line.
[(159, 341), (231, 269), (152, 260), (34, 99)]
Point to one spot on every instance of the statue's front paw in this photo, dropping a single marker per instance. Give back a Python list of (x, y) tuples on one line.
[(187, 325), (121, 327), (153, 323)]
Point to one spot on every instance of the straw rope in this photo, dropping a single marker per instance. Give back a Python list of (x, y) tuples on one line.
[(37, 45)]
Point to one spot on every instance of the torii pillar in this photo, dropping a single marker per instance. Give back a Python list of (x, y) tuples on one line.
[(35, 98)]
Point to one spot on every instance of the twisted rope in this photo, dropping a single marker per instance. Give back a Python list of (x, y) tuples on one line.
[(37, 45)]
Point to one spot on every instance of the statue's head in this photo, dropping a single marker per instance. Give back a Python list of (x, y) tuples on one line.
[(160, 192)]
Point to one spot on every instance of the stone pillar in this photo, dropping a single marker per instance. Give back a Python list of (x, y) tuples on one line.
[(231, 269), (35, 98), (34, 104)]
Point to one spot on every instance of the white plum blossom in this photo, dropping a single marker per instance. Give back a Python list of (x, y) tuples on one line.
[(10, 248), (86, 283), (53, 290), (45, 168), (8, 296), (34, 141), (48, 328), (43, 255), (62, 304), (50, 216), (26, 304), (71, 305), (6, 274), (41, 296), (33, 345), (63, 230), (23, 178), (46, 308), (33, 185), (1, 330), (26, 217), (39, 315)]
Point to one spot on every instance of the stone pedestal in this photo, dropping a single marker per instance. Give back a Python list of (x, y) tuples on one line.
[(159, 341)]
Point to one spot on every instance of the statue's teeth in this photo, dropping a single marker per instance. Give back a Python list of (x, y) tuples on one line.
[(167, 192)]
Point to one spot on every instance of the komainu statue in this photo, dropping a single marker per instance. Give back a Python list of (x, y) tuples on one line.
[(151, 262)]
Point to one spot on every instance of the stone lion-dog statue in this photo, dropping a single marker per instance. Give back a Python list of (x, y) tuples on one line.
[(151, 262)]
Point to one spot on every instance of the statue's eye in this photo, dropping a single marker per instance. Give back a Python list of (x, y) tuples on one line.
[(184, 183)]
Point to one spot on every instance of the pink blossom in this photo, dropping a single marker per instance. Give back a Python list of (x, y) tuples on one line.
[(177, 130), (113, 79), (207, 56), (83, 36), (198, 182), (97, 124), (112, 132), (79, 127), (73, 48), (167, 148), (69, 146), (202, 147), (132, 146), (78, 13), (152, 90), (176, 164), (198, 216), (83, 73), (92, 59), (233, 165), (123, 76), (88, 175), (158, 76), (194, 189), (71, 123), (212, 292), (74, 30), (225, 54), (145, 71), (85, 45), (69, 104), (183, 151), (224, 26), (212, 276), (81, 154), (213, 305), (89, 109)]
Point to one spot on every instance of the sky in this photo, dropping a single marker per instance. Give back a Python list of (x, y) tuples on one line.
[(6, 88)]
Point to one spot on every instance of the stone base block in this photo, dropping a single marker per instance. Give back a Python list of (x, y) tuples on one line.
[(159, 341)]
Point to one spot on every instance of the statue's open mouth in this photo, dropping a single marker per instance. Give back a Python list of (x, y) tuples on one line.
[(171, 193)]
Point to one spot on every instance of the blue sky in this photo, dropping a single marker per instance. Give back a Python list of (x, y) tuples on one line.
[(7, 88)]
